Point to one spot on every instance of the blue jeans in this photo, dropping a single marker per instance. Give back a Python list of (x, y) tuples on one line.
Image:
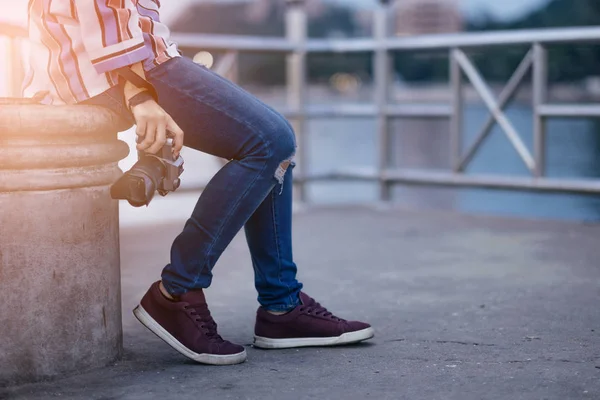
[(253, 190)]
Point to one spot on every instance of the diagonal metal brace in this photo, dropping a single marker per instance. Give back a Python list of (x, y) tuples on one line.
[(504, 99), (497, 113)]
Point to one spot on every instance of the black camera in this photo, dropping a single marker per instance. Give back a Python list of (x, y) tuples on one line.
[(151, 173)]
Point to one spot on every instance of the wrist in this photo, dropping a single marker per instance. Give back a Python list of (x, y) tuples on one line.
[(139, 98)]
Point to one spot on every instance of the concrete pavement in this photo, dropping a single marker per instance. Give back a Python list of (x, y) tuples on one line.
[(464, 308)]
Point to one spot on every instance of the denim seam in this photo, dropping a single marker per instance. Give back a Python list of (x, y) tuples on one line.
[(277, 243), (257, 271)]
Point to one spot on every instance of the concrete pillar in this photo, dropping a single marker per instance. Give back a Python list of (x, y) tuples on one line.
[(60, 293)]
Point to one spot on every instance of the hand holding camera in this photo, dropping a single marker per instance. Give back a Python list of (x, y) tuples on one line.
[(159, 143), (154, 127)]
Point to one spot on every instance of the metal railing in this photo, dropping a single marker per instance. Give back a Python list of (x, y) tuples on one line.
[(296, 46), (14, 36)]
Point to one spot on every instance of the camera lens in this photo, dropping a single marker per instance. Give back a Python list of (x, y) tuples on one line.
[(139, 184)]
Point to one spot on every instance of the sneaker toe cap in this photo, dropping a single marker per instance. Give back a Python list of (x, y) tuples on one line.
[(353, 326), (226, 348)]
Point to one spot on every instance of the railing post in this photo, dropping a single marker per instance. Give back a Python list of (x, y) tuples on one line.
[(540, 94), (15, 67), (234, 72), (456, 120), (381, 77), (297, 33)]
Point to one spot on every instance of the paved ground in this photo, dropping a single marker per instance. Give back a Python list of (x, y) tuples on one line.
[(464, 308)]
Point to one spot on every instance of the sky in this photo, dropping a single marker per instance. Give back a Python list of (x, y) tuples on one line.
[(14, 10)]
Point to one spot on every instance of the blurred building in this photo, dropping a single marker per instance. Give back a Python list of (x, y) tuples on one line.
[(260, 10), (419, 17), (236, 16), (253, 11)]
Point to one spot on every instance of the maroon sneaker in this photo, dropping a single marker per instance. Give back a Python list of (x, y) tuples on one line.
[(187, 326), (309, 324)]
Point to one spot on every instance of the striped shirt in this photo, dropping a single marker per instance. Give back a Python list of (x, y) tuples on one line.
[(77, 44)]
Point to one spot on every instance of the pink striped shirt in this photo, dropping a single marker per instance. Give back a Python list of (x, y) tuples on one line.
[(77, 44)]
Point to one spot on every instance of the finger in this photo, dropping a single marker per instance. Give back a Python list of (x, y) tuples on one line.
[(177, 136), (160, 138), (140, 130), (148, 136)]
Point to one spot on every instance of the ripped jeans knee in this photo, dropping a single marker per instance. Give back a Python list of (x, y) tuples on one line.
[(282, 169), (281, 141)]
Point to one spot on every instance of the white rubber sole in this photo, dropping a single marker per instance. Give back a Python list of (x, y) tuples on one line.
[(346, 338), (212, 359)]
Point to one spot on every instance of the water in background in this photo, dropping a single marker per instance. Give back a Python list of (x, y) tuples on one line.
[(573, 148)]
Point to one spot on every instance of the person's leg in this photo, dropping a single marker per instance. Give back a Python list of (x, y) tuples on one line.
[(253, 190), (221, 119), (268, 232), (269, 237)]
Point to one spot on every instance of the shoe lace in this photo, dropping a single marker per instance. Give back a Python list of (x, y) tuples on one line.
[(315, 308), (204, 320)]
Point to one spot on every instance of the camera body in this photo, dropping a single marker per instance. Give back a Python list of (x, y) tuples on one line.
[(173, 169), (152, 173)]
